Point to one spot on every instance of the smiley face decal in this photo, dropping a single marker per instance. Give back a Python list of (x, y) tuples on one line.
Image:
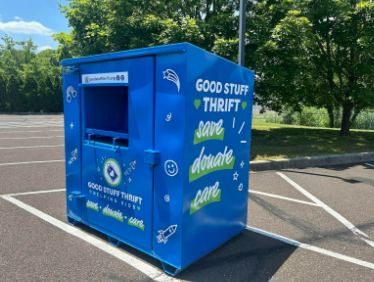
[(171, 168)]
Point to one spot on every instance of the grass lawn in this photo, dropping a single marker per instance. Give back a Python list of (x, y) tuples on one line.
[(276, 141)]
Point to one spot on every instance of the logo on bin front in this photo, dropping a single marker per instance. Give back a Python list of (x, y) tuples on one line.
[(112, 172), (172, 76)]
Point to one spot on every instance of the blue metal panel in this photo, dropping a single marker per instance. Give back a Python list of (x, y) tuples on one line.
[(122, 205), (162, 159), (158, 50), (73, 144), (171, 89), (216, 152)]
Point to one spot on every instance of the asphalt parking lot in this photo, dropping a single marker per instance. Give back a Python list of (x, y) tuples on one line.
[(313, 224)]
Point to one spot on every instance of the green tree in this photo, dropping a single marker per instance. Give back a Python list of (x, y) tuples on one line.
[(30, 89), (43, 94), (10, 62), (20, 62), (15, 97), (320, 54), (100, 26), (57, 95), (3, 93), (45, 89)]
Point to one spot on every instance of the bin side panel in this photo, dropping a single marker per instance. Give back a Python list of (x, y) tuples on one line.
[(217, 150), (73, 149), (169, 140), (124, 207)]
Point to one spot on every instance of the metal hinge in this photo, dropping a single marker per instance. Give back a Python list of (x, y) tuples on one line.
[(70, 69)]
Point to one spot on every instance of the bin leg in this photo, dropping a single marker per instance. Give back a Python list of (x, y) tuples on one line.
[(169, 269), (114, 242), (72, 221)]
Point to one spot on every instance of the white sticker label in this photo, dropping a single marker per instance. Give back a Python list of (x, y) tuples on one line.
[(109, 77)]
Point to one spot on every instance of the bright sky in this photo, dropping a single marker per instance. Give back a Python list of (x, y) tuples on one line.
[(37, 19)]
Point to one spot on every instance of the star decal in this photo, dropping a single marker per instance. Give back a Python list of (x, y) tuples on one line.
[(236, 175), (242, 164)]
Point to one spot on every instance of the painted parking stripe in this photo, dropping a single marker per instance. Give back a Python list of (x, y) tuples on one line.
[(32, 162), (312, 248), (29, 122), (152, 272), (33, 137), (27, 126), (283, 198), (339, 217), (35, 192), (369, 165), (30, 147), (26, 131)]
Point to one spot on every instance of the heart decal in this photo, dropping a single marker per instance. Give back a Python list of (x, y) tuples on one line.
[(244, 104), (197, 103)]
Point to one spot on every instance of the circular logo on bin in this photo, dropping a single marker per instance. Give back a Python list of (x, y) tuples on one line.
[(112, 172)]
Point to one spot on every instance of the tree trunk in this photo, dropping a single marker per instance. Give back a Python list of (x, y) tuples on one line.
[(330, 110), (347, 111)]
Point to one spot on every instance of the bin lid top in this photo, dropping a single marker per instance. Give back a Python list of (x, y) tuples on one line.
[(165, 49)]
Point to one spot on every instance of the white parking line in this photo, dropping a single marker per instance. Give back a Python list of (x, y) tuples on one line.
[(26, 126), (33, 137), (32, 162), (30, 124), (370, 165), (312, 248), (147, 269), (31, 147), (26, 131), (283, 198), (154, 273), (35, 192), (339, 217)]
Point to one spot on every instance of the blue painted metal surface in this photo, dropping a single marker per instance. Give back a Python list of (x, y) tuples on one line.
[(157, 149)]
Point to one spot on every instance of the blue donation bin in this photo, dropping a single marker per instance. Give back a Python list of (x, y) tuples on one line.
[(157, 145)]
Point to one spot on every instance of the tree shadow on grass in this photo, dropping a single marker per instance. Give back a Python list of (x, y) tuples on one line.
[(301, 142)]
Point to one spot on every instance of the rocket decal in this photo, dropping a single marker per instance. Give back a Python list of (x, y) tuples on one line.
[(165, 234)]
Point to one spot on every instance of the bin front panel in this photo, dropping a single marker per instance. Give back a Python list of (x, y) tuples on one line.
[(119, 185), (171, 86), (73, 149), (217, 149)]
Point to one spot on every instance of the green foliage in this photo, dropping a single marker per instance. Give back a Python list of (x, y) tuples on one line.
[(313, 117), (288, 118), (3, 93), (20, 69), (30, 88), (275, 141), (364, 121), (100, 26), (16, 101), (319, 54)]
